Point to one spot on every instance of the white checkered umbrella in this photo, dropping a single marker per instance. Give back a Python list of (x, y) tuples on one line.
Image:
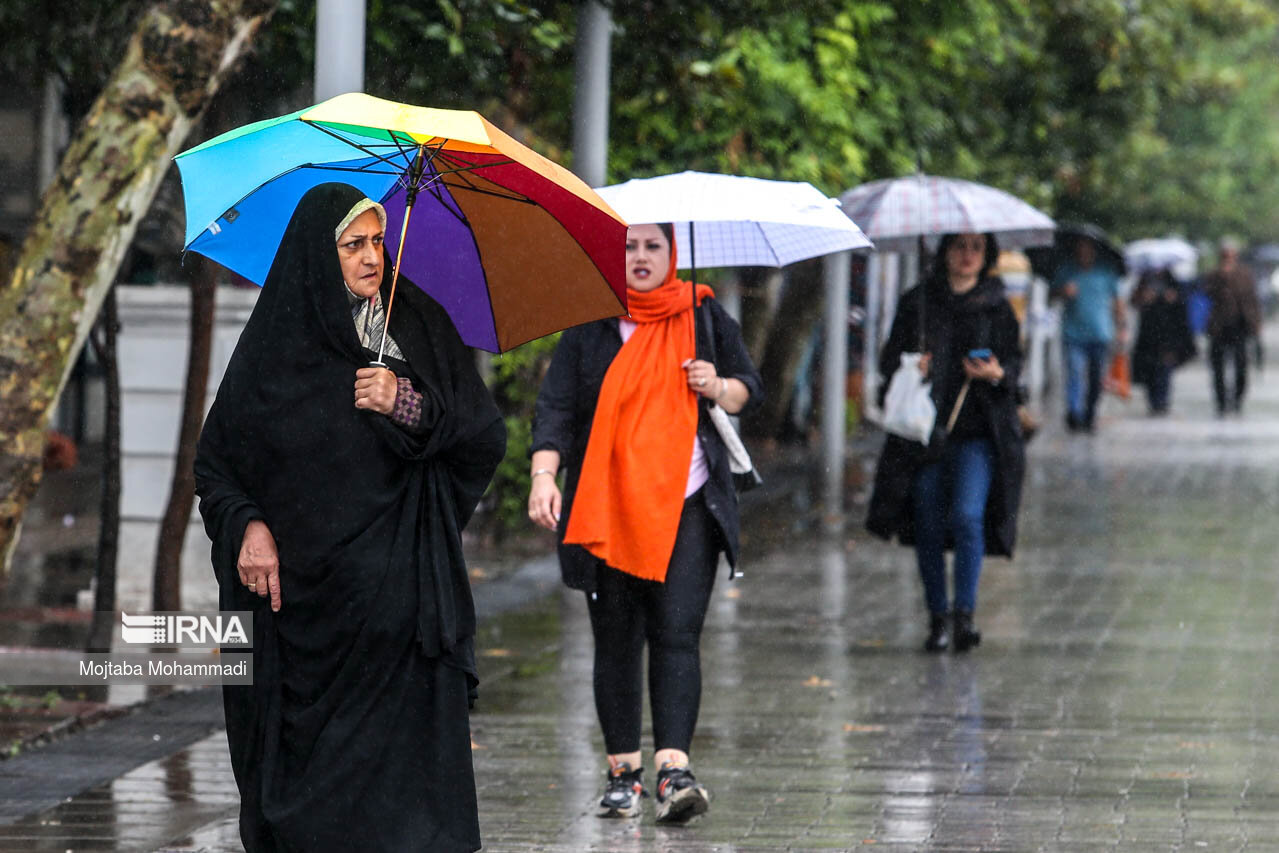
[(736, 221), (896, 212)]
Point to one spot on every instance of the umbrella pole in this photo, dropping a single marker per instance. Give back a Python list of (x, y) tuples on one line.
[(692, 277), (923, 295), (415, 175)]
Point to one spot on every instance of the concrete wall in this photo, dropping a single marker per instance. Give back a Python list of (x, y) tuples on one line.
[(155, 322)]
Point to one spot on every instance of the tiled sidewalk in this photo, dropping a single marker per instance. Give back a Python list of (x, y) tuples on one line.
[(1125, 695)]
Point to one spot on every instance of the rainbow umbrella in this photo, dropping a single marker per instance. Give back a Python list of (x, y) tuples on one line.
[(512, 245)]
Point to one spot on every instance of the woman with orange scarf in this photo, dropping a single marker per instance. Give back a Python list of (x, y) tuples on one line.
[(647, 507)]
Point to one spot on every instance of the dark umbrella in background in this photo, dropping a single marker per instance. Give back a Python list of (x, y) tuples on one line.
[(1046, 260)]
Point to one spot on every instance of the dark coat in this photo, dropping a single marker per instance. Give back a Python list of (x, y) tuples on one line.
[(981, 319), (1236, 309), (566, 409), (358, 705), (1163, 337)]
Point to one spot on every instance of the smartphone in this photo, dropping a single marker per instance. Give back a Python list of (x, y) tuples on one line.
[(979, 354)]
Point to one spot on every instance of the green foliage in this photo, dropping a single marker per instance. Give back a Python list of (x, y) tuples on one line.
[(516, 377), (1144, 116), (79, 41)]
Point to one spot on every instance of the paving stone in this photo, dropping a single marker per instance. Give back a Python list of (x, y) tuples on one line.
[(1124, 698)]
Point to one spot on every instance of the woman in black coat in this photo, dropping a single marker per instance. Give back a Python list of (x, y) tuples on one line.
[(963, 490), (648, 505), (1164, 339)]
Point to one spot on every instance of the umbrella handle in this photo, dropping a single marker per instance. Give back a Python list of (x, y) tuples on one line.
[(411, 197)]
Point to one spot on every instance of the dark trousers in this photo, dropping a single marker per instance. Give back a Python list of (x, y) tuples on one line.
[(626, 612), (1159, 388), (1233, 346)]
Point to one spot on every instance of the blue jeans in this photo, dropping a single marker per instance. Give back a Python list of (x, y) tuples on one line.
[(1084, 363), (950, 497)]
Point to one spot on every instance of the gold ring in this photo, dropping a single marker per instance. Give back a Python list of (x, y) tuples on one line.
[(253, 586)]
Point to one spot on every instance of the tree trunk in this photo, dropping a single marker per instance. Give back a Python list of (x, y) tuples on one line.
[(798, 310), (179, 55), (109, 509), (166, 590)]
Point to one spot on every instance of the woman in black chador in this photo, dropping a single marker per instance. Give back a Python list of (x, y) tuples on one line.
[(1164, 339), (335, 495)]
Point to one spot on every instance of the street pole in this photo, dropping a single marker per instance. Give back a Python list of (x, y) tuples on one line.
[(834, 378), (339, 48), (870, 337), (590, 95)]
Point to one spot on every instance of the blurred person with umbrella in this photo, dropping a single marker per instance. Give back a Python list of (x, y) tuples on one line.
[(1234, 318), (1093, 319), (963, 489), (1164, 340), (335, 494), (647, 506)]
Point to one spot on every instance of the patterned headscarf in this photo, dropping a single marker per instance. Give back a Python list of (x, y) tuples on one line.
[(368, 314)]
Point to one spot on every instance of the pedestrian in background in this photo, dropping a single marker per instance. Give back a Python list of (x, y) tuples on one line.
[(335, 495), (1093, 320), (647, 507), (1164, 340), (963, 490), (1234, 319)]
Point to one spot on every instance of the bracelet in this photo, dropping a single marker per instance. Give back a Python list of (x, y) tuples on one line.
[(723, 386), (541, 471)]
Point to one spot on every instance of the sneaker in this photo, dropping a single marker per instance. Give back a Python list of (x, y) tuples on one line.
[(622, 795), (679, 796)]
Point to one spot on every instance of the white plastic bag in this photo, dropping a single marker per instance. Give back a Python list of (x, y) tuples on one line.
[(908, 406)]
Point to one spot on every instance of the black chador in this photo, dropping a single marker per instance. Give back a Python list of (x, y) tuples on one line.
[(355, 733)]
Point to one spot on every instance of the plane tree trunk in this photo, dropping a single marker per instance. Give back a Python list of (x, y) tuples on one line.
[(180, 53)]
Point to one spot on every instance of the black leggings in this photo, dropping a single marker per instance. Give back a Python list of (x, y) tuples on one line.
[(627, 611)]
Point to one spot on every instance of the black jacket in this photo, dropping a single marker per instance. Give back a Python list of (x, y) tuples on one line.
[(1163, 336), (566, 409), (954, 325)]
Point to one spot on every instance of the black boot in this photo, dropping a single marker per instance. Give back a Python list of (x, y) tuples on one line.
[(966, 634), (938, 637)]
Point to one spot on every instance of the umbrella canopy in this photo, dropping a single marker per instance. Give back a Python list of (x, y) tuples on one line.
[(896, 212), (1173, 253), (1046, 260), (731, 221), (512, 245)]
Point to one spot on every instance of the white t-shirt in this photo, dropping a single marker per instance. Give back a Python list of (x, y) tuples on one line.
[(698, 472)]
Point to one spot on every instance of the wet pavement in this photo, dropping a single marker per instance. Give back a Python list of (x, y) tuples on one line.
[(1124, 696)]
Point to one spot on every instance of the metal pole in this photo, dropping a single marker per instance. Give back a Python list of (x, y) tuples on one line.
[(590, 96), (870, 338), (834, 377), (339, 47)]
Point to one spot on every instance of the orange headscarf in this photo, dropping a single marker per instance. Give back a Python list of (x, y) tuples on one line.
[(631, 491)]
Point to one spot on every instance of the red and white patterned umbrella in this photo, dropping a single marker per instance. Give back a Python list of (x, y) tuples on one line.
[(896, 212)]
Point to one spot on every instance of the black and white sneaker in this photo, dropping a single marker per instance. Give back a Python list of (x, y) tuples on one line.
[(622, 796), (680, 797)]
